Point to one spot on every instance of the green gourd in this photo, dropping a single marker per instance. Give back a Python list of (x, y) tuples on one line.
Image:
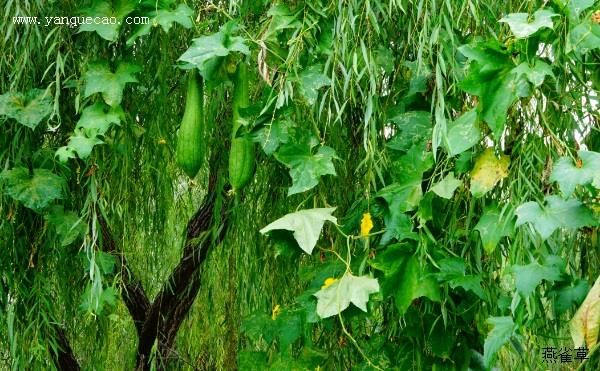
[(241, 153), (190, 137)]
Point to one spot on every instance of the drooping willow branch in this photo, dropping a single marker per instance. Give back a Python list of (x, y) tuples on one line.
[(161, 319)]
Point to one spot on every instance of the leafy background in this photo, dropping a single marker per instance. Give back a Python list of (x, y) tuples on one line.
[(426, 196)]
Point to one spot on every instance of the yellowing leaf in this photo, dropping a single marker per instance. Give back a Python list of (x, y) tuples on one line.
[(366, 224), (487, 172), (586, 322)]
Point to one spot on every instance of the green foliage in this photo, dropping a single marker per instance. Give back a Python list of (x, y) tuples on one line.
[(463, 133), (498, 96), (306, 225), (493, 226), (523, 25), (163, 14), (99, 79), (336, 297), (208, 53), (503, 329), (445, 188), (556, 213), (106, 28), (28, 108), (404, 278), (528, 277), (306, 166), (452, 271), (35, 188), (569, 175)]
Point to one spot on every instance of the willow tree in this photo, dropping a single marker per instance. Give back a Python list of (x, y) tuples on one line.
[(398, 185)]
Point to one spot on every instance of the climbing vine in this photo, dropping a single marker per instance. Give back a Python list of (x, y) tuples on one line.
[(299, 185)]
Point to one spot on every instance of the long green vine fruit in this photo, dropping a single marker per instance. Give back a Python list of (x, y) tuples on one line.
[(241, 153), (190, 137)]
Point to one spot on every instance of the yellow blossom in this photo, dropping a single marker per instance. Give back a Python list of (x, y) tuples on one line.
[(366, 224), (329, 281), (275, 312), (162, 141)]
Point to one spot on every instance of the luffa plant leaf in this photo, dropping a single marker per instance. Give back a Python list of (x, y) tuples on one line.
[(488, 171), (503, 329), (568, 175), (522, 25), (35, 190), (100, 79), (493, 225), (28, 108), (445, 188), (306, 225), (305, 167), (336, 297), (556, 213)]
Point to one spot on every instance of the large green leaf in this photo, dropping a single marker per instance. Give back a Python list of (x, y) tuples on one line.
[(445, 188), (272, 135), (412, 165), (522, 25), (404, 278), (399, 226), (336, 297), (305, 167), (584, 37), (452, 271), (207, 53), (28, 108), (99, 79), (402, 197), (463, 133), (493, 225), (503, 329), (80, 145), (529, 277), (97, 119), (165, 17), (585, 325), (535, 74), (306, 225), (556, 213), (569, 175), (413, 127), (68, 225), (35, 191), (568, 294), (311, 80), (102, 12), (491, 76)]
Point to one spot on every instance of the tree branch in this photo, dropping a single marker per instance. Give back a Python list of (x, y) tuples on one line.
[(133, 293), (62, 354), (178, 293)]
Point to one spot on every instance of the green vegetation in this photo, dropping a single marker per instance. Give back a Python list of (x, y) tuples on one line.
[(301, 185)]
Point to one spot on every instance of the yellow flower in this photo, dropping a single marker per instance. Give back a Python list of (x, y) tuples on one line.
[(162, 141), (275, 312), (328, 282), (366, 224)]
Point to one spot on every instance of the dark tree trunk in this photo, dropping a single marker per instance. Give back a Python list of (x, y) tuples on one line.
[(62, 355)]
